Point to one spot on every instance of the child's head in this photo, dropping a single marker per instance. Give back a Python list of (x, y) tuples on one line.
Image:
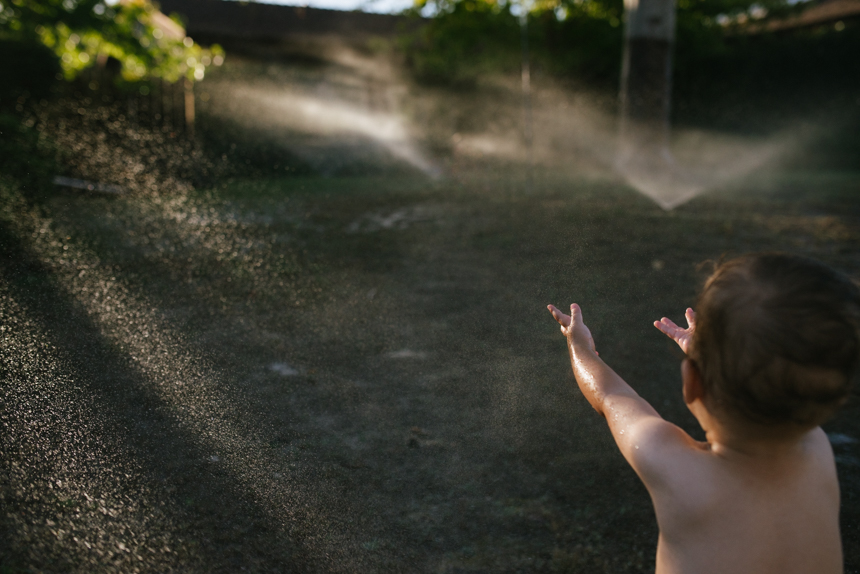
[(777, 339)]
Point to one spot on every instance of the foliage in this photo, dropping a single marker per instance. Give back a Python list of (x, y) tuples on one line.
[(134, 32), (26, 67), (753, 82), (573, 38), (466, 39), (583, 40)]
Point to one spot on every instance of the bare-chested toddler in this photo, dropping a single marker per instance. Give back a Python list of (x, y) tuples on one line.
[(771, 352)]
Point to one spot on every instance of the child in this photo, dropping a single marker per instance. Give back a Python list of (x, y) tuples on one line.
[(771, 354)]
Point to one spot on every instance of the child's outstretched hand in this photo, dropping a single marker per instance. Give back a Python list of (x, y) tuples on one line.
[(573, 327), (683, 337)]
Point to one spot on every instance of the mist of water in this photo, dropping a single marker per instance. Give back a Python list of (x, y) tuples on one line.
[(700, 162), (357, 103), (296, 119), (577, 132)]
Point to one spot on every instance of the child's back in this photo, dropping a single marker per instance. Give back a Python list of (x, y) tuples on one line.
[(775, 511), (773, 355)]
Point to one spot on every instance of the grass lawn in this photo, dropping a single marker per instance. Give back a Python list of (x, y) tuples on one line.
[(359, 374)]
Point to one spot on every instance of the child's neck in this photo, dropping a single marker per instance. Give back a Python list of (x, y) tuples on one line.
[(735, 438)]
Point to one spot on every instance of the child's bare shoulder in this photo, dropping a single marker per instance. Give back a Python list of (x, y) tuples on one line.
[(686, 477), (664, 453), (760, 513)]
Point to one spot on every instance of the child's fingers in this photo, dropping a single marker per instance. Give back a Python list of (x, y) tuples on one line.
[(576, 315), (691, 318), (668, 328), (560, 317)]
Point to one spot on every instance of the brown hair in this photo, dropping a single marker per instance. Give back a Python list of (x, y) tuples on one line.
[(777, 338)]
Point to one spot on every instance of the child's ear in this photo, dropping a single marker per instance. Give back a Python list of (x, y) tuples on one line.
[(692, 378)]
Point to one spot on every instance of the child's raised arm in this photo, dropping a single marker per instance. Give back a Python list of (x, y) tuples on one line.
[(645, 439)]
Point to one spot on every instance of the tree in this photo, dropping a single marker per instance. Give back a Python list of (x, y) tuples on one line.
[(568, 38), (83, 32)]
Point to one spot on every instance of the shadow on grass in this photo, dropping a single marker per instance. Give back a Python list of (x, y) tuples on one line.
[(211, 520)]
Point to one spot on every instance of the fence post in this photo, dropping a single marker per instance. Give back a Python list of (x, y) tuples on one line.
[(189, 107), (177, 106)]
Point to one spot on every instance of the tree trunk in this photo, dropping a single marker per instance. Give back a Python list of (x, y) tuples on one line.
[(646, 82)]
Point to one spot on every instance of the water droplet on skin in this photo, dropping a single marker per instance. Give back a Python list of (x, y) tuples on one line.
[(622, 432), (637, 447)]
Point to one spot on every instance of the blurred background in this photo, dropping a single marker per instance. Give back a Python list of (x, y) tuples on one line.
[(273, 277)]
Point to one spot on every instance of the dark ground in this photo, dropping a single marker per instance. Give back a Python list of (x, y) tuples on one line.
[(358, 374), (227, 370)]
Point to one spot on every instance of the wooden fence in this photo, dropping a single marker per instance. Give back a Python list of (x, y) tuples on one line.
[(159, 104), (153, 103)]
